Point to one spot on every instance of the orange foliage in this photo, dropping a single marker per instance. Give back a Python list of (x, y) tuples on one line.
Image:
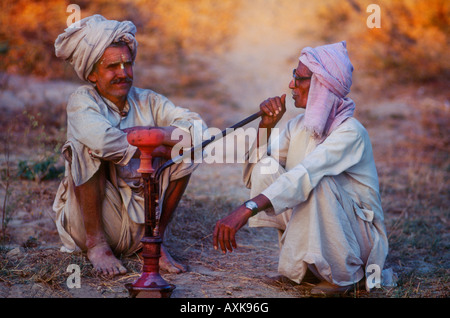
[(28, 30), (167, 30), (187, 26), (412, 43)]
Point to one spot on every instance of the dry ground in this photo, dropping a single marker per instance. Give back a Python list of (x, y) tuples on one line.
[(409, 131)]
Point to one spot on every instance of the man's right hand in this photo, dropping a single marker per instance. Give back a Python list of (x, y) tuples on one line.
[(224, 236), (273, 110)]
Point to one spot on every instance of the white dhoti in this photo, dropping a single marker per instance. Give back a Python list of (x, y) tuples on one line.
[(95, 135), (327, 229), (326, 202), (123, 212), (122, 233)]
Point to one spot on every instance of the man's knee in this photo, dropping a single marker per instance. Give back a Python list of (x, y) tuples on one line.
[(264, 173), (269, 167)]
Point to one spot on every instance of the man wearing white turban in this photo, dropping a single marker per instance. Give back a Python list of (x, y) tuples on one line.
[(324, 195), (99, 206)]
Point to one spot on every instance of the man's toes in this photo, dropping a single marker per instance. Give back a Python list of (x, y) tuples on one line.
[(101, 270), (111, 270), (122, 270), (117, 269), (181, 267)]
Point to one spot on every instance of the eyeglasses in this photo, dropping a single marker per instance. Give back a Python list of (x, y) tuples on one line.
[(298, 78)]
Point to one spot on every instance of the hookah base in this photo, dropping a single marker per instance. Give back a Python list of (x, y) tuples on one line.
[(150, 292), (150, 284)]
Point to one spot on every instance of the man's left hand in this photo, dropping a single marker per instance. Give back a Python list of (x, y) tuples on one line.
[(226, 228)]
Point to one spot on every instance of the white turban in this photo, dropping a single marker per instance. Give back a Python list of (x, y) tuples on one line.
[(327, 106), (84, 44)]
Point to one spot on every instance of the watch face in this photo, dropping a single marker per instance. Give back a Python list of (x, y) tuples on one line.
[(251, 205)]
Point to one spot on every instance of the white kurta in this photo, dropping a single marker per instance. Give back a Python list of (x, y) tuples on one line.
[(325, 200), (95, 125)]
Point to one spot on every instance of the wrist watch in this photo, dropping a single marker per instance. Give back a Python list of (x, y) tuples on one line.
[(251, 205)]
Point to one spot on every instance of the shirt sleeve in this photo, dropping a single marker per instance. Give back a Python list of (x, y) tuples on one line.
[(90, 127), (343, 149), (167, 114)]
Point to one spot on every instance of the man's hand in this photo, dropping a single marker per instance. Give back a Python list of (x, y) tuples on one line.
[(273, 109), (225, 230)]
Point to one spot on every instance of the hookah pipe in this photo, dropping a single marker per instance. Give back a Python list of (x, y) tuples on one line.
[(150, 284), (202, 146)]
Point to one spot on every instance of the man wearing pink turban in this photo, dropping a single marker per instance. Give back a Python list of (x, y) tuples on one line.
[(323, 194), (99, 206)]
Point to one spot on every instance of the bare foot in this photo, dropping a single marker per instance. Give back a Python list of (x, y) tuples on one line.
[(104, 261), (168, 264)]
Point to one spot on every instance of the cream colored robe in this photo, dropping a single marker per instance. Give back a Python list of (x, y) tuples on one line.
[(326, 202), (94, 133)]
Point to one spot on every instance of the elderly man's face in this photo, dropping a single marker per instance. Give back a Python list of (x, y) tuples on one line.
[(113, 74), (300, 86)]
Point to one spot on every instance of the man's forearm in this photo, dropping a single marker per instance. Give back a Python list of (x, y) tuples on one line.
[(171, 137), (263, 202)]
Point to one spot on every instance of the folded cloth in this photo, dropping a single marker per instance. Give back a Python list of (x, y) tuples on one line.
[(83, 44), (327, 105)]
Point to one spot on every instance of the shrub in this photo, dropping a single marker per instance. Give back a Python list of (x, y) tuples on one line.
[(28, 30), (167, 30), (410, 46)]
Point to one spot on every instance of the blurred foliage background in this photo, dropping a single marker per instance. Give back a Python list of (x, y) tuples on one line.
[(27, 36), (167, 30), (411, 45)]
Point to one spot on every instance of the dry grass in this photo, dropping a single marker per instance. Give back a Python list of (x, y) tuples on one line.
[(414, 169), (44, 274), (411, 149)]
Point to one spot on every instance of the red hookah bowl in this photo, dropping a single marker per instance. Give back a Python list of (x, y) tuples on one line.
[(146, 140)]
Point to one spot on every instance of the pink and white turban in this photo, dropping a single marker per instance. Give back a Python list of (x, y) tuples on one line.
[(327, 106), (84, 45)]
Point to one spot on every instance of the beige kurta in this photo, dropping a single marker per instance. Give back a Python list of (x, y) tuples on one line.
[(95, 133), (325, 199)]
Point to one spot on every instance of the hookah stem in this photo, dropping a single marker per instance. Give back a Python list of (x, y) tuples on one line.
[(222, 134), (150, 195), (154, 194), (152, 225)]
